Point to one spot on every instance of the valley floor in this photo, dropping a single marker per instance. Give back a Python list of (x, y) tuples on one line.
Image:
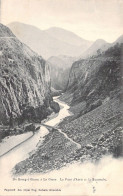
[(55, 152), (45, 150), (60, 142), (11, 141)]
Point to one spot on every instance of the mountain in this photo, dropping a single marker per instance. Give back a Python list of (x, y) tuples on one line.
[(99, 45), (51, 42), (96, 73), (67, 37), (59, 70), (62, 61), (24, 83), (94, 93)]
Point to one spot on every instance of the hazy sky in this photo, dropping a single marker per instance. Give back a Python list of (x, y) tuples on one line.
[(90, 19)]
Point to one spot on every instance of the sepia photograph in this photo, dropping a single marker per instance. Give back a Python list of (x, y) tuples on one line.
[(61, 109)]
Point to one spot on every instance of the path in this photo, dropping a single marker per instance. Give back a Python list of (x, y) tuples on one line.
[(23, 150)]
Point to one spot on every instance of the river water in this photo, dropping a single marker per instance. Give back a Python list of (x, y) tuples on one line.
[(21, 152), (74, 179), (64, 112)]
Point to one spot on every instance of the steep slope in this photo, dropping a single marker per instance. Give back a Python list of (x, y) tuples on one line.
[(96, 76), (98, 46), (94, 93), (62, 61), (45, 43), (59, 70), (24, 82)]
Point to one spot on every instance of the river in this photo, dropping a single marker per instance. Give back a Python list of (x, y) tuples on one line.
[(22, 151), (72, 177)]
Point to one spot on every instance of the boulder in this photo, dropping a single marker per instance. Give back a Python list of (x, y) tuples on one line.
[(55, 106), (29, 127), (89, 146)]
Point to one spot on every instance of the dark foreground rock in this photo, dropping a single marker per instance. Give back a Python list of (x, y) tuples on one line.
[(55, 106), (24, 79), (17, 130), (24, 84)]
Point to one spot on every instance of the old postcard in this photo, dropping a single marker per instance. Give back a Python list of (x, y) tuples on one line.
[(61, 98)]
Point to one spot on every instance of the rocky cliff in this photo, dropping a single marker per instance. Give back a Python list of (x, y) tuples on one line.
[(95, 77), (94, 93), (59, 70), (24, 82)]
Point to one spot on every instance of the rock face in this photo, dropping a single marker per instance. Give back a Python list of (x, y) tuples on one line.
[(59, 70), (94, 93), (95, 78), (24, 81)]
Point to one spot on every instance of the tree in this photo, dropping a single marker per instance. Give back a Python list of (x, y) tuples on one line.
[(99, 51)]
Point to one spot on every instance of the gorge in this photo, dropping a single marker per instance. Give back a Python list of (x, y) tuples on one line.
[(83, 124)]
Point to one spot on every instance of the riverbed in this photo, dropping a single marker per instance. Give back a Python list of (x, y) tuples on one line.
[(23, 150), (11, 141), (66, 179), (63, 113)]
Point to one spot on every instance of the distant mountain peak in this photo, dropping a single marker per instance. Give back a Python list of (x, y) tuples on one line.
[(92, 50), (66, 36), (61, 30), (100, 41), (51, 42)]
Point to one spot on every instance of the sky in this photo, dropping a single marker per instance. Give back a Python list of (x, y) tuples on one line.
[(90, 19)]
